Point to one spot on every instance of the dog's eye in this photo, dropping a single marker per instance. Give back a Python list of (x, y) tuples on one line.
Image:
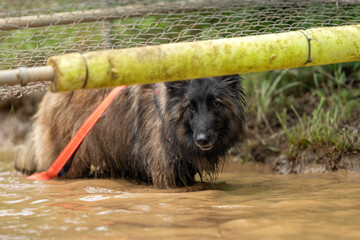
[(191, 108), (215, 104)]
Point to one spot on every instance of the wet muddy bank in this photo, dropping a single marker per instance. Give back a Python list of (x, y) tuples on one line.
[(307, 161), (292, 152)]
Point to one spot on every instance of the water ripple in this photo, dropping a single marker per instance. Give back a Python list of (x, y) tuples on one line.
[(105, 212), (101, 190), (93, 198), (39, 201), (11, 212), (101, 228), (126, 195), (16, 201)]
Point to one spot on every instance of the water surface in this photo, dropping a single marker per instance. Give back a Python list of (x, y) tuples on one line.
[(248, 202)]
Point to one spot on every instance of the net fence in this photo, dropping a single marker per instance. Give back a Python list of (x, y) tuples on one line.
[(31, 31)]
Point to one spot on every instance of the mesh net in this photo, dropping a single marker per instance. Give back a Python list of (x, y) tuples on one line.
[(31, 31)]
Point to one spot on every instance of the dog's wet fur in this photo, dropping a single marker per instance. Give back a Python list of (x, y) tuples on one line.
[(160, 133)]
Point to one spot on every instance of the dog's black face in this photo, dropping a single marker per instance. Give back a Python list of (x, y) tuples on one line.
[(208, 106), (203, 111)]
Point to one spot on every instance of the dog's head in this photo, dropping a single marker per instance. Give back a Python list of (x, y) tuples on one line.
[(209, 111)]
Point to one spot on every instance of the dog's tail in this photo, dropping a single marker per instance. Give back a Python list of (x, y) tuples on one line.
[(25, 157)]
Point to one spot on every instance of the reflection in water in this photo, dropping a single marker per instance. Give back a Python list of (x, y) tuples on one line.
[(248, 202), (93, 198)]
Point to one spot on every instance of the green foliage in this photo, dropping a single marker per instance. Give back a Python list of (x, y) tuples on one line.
[(265, 92), (336, 90), (321, 129)]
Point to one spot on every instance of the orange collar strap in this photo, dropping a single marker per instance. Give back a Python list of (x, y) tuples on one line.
[(75, 142)]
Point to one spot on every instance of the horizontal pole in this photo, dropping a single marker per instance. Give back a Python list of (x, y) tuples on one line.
[(23, 76), (187, 60)]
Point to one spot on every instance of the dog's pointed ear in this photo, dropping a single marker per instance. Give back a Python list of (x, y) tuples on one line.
[(176, 87), (233, 81)]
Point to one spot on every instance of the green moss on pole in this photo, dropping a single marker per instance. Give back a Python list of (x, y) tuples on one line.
[(70, 72), (179, 61)]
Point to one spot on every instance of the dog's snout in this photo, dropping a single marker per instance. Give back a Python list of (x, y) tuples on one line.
[(205, 140), (202, 139)]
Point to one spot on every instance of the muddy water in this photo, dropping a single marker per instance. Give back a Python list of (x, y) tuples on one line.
[(248, 203)]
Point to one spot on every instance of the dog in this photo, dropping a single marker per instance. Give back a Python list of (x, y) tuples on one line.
[(161, 134)]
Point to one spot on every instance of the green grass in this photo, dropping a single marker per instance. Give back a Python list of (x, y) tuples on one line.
[(328, 124), (312, 108), (320, 129), (266, 89)]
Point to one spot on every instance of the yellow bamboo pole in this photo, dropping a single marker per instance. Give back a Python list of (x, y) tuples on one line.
[(179, 61)]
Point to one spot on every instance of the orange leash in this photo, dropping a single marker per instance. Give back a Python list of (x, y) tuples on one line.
[(75, 142)]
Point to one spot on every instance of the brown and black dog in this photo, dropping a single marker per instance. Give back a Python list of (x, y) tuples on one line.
[(161, 133)]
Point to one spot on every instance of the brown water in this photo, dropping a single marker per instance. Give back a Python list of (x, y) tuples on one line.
[(251, 203)]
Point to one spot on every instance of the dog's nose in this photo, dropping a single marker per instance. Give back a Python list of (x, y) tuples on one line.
[(202, 139)]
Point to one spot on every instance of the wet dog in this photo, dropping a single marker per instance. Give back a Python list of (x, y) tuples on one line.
[(161, 133)]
